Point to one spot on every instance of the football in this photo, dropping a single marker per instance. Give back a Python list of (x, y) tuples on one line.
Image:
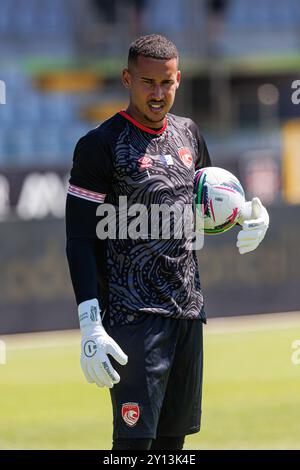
[(219, 198)]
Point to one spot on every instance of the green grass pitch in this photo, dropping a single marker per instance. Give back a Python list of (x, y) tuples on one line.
[(250, 397)]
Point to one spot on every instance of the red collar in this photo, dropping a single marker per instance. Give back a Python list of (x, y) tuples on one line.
[(140, 126)]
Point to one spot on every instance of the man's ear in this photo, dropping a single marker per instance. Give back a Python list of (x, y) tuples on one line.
[(126, 78), (178, 78)]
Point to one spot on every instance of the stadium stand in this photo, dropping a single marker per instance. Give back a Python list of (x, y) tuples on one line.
[(47, 111)]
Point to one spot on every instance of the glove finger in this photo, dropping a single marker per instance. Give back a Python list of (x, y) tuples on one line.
[(102, 379), (244, 250), (253, 224), (247, 248), (110, 371), (84, 368), (116, 352), (241, 243), (256, 208), (252, 235), (97, 373), (247, 242), (92, 373), (245, 213), (245, 236)]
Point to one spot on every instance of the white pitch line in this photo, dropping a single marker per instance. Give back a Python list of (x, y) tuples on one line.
[(220, 325)]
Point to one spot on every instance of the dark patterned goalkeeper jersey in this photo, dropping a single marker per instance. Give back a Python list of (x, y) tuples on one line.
[(134, 169)]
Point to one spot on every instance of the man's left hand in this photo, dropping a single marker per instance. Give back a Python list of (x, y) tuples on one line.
[(254, 220)]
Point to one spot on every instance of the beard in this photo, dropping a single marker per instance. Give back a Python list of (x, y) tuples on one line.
[(155, 121)]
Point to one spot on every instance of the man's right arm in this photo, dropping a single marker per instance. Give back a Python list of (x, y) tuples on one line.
[(89, 183), (80, 248), (88, 186)]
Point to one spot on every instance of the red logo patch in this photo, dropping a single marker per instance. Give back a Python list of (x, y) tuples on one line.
[(130, 413), (186, 156), (145, 162)]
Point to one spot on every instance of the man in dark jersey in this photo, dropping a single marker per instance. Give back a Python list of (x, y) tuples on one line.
[(139, 297)]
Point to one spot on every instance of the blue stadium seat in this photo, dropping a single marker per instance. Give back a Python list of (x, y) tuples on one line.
[(236, 14), (2, 146), (47, 144), (5, 17), (23, 23), (19, 145), (26, 107)]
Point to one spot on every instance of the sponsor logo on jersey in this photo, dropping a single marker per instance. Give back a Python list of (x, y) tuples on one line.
[(186, 156), (145, 162), (166, 160), (130, 413)]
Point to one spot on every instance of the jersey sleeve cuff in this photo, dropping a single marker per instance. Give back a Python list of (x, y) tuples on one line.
[(86, 194)]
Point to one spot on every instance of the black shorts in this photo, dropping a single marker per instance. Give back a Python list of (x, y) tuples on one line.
[(161, 386)]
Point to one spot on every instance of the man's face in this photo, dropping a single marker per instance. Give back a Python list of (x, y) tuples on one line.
[(152, 84)]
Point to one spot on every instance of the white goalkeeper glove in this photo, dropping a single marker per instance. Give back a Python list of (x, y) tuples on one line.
[(254, 219), (95, 345)]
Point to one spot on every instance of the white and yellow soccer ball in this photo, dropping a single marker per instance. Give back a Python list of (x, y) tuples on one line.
[(219, 198)]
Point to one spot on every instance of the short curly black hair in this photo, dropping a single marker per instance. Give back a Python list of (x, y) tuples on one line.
[(154, 46)]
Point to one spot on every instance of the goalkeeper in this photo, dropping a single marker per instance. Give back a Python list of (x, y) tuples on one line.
[(140, 302)]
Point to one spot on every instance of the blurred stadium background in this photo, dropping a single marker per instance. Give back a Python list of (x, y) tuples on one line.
[(60, 67)]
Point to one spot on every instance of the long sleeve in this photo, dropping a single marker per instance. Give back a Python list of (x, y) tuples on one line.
[(89, 183), (81, 247)]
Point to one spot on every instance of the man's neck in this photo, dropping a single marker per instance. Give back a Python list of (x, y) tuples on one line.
[(139, 118)]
